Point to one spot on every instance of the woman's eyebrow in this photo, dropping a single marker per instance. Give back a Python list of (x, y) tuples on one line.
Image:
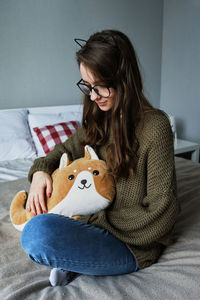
[(95, 82)]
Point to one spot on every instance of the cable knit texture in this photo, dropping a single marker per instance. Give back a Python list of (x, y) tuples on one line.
[(145, 208)]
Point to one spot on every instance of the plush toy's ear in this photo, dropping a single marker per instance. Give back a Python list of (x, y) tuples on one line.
[(64, 161), (90, 153)]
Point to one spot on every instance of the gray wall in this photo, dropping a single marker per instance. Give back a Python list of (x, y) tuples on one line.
[(180, 84), (37, 52)]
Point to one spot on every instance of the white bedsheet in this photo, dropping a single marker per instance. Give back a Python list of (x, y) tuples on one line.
[(15, 169)]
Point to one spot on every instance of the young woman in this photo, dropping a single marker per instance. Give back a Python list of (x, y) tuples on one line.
[(136, 142)]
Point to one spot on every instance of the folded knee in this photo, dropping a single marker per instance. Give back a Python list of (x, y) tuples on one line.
[(36, 231)]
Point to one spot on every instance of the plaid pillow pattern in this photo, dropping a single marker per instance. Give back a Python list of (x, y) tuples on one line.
[(50, 135)]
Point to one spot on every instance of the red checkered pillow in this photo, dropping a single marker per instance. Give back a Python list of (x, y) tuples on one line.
[(50, 135)]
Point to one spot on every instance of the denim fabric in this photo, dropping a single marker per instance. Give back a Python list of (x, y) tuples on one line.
[(60, 242)]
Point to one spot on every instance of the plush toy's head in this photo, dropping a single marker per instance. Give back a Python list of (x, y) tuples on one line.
[(79, 188)]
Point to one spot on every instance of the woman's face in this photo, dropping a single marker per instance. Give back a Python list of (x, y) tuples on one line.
[(104, 104)]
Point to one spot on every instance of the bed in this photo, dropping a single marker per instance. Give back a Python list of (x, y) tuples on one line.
[(174, 276)]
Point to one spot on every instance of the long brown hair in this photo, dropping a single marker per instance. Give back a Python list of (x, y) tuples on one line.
[(111, 58)]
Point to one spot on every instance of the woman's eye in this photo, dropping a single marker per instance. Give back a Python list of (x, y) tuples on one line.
[(70, 177), (95, 172)]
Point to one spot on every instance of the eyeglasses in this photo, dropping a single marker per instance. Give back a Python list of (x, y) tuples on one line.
[(100, 90)]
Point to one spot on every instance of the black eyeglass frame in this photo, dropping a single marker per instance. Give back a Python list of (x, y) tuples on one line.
[(92, 88)]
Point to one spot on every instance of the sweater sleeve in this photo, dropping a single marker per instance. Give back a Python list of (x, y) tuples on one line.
[(144, 220), (50, 162)]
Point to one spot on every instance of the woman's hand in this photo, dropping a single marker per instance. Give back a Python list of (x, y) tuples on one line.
[(41, 187)]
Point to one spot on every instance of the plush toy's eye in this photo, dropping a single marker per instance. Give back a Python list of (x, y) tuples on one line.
[(95, 172), (70, 177)]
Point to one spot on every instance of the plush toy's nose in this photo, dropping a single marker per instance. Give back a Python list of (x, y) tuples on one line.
[(84, 181)]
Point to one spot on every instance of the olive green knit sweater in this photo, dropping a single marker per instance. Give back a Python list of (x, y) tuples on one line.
[(145, 208)]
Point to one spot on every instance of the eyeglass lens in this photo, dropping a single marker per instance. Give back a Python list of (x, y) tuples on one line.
[(99, 90)]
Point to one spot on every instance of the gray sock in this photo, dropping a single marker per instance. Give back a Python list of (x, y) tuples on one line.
[(61, 277)]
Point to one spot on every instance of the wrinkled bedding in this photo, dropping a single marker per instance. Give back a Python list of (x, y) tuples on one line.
[(15, 169), (175, 276)]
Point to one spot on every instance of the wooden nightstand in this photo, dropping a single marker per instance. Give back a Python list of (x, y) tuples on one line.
[(182, 146)]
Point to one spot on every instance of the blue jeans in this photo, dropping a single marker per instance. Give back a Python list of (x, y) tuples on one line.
[(60, 242)]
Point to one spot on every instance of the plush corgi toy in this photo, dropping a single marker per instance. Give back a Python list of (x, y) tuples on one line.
[(82, 187)]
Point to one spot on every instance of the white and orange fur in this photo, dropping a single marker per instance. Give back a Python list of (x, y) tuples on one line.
[(82, 187)]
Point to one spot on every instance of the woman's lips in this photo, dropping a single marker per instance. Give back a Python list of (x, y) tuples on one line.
[(102, 103)]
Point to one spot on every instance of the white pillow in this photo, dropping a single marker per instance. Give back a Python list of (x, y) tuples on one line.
[(15, 137), (40, 120)]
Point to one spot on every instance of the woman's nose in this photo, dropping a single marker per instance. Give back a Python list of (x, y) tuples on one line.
[(94, 96)]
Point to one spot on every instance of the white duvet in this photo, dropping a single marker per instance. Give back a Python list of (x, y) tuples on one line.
[(15, 169)]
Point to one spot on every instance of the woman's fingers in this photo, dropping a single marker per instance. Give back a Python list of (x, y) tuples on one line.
[(42, 202), (41, 187), (28, 206), (32, 205), (37, 205), (49, 188)]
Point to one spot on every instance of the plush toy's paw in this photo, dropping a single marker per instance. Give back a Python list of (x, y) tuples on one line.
[(61, 277)]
